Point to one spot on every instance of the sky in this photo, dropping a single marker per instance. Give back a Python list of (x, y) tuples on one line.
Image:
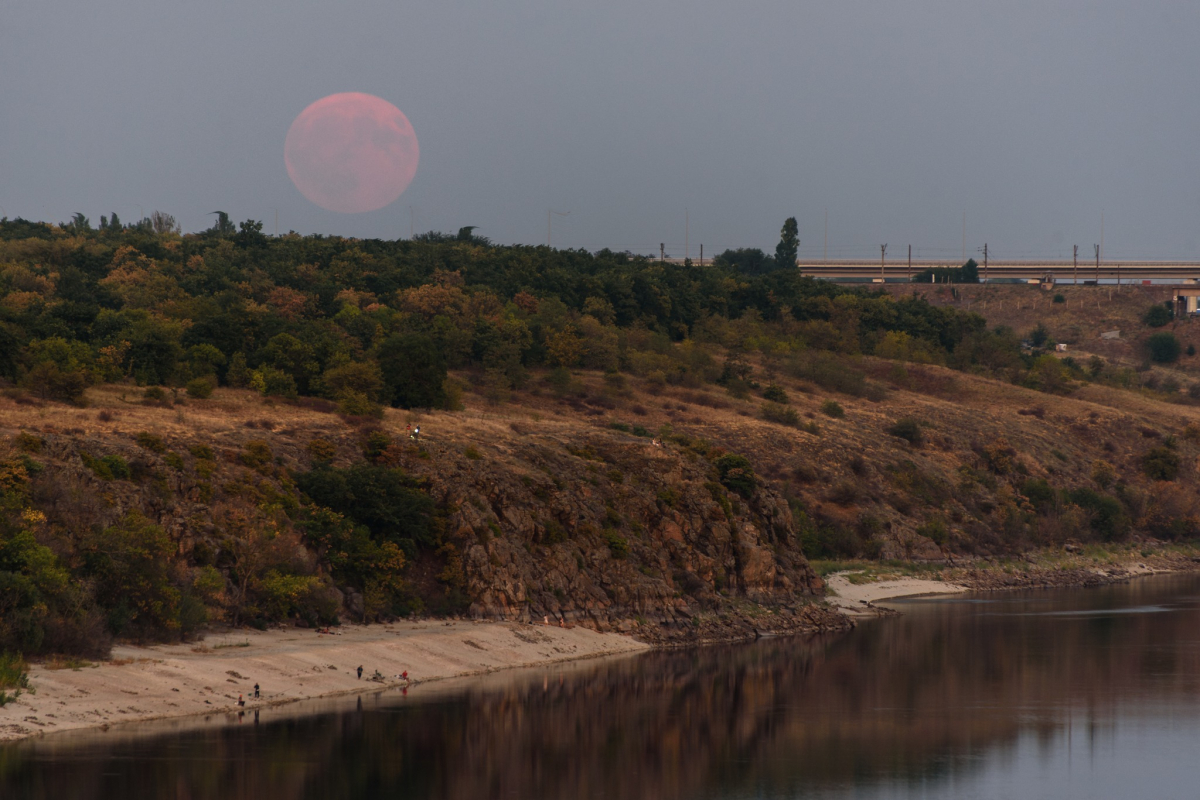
[(641, 122)]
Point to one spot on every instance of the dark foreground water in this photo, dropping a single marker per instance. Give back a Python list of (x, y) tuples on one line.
[(1089, 694)]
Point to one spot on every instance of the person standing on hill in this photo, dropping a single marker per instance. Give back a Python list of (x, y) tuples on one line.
[(360, 672)]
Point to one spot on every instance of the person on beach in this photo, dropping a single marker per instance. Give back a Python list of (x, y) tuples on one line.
[(241, 701), (256, 691), (416, 434), (360, 672)]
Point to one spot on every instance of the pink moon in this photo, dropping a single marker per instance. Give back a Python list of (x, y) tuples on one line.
[(351, 152)]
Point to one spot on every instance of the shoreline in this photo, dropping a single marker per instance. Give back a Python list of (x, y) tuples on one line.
[(201, 680), (857, 599)]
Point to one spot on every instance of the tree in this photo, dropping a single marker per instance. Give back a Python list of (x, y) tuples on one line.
[(1157, 315), (1163, 348), (162, 223), (223, 226), (414, 370), (748, 261), (789, 244)]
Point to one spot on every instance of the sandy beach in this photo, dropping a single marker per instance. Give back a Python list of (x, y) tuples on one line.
[(857, 599), (206, 678)]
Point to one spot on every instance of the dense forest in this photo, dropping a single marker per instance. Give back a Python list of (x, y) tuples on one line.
[(364, 322)]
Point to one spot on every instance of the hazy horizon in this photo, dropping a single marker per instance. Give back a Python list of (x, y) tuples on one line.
[(1032, 118)]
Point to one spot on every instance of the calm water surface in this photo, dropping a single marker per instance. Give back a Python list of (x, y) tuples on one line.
[(1088, 694)]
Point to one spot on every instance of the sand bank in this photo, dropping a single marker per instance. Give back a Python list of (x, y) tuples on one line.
[(205, 678), (857, 599)]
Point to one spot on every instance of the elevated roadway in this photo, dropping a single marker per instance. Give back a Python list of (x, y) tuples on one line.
[(1063, 271)]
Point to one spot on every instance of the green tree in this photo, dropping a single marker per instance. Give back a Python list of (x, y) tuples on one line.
[(1163, 348), (130, 562), (414, 371), (1157, 315), (789, 244)]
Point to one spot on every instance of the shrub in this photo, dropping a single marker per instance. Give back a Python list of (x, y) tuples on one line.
[(321, 450), (1058, 298), (107, 468), (775, 394), (935, 531), (832, 408), (14, 675), (1157, 315), (472, 454), (617, 545), (151, 442), (201, 451), (1107, 516), (28, 443), (174, 461), (780, 414), (1191, 350), (1161, 463), (201, 388), (736, 474), (907, 429), (1039, 493), (257, 455), (271, 382), (383, 499), (356, 404), (155, 396), (1163, 348)]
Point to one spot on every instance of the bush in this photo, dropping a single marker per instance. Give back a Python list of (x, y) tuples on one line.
[(14, 675), (617, 545), (321, 450), (1161, 463), (1163, 348), (257, 455), (383, 499), (736, 474), (831, 408), (1157, 315), (107, 468), (201, 451), (271, 382), (151, 442), (1107, 516), (775, 394), (201, 388), (907, 429), (780, 414), (1058, 298), (1191, 350)]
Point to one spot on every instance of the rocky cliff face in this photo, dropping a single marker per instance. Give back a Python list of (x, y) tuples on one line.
[(560, 522), (611, 530)]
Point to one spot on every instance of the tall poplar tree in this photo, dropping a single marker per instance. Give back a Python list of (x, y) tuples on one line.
[(789, 245)]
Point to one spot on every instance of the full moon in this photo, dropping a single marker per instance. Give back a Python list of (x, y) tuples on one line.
[(351, 152)]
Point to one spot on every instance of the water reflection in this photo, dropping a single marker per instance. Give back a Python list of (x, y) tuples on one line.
[(1079, 691)]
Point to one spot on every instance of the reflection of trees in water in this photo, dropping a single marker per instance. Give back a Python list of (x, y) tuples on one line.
[(903, 697)]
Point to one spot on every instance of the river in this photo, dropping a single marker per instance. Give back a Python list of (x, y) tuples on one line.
[(1058, 694)]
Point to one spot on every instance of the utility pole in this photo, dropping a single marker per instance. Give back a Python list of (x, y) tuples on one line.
[(985, 263), (882, 253), (964, 237), (909, 275), (825, 249), (412, 223), (702, 254), (662, 251), (686, 251), (1097, 263), (1075, 266)]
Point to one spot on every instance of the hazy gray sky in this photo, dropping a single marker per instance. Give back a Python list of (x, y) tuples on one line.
[(1032, 117)]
